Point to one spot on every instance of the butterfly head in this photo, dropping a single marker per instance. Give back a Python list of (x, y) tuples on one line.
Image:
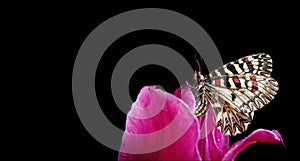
[(199, 78)]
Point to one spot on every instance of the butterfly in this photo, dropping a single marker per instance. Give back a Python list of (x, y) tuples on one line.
[(235, 90)]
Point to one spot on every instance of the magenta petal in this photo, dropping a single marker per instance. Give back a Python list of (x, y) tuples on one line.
[(259, 135), (185, 94), (213, 144), (160, 126)]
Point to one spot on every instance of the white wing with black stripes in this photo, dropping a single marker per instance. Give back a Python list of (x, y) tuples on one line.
[(236, 90), (258, 64), (239, 98)]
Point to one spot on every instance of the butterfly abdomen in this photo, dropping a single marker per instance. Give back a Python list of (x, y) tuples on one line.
[(201, 106)]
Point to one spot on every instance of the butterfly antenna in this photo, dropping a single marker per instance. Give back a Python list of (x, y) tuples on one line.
[(199, 67)]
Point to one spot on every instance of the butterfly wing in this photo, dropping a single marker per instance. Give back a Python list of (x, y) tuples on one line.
[(259, 64), (239, 96), (236, 90)]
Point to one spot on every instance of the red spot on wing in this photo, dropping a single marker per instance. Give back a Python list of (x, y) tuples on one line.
[(218, 82), (255, 84), (236, 80)]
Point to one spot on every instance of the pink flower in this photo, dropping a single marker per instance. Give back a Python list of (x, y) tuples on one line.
[(162, 126)]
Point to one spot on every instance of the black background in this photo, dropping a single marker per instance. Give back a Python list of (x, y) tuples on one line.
[(237, 32)]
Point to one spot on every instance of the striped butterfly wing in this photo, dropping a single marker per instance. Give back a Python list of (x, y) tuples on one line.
[(259, 64), (239, 88), (236, 100)]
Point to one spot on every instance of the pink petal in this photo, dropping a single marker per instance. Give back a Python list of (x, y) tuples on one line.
[(185, 94), (259, 135), (160, 126), (213, 144)]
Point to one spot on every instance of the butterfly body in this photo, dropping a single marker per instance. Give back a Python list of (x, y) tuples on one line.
[(235, 91)]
